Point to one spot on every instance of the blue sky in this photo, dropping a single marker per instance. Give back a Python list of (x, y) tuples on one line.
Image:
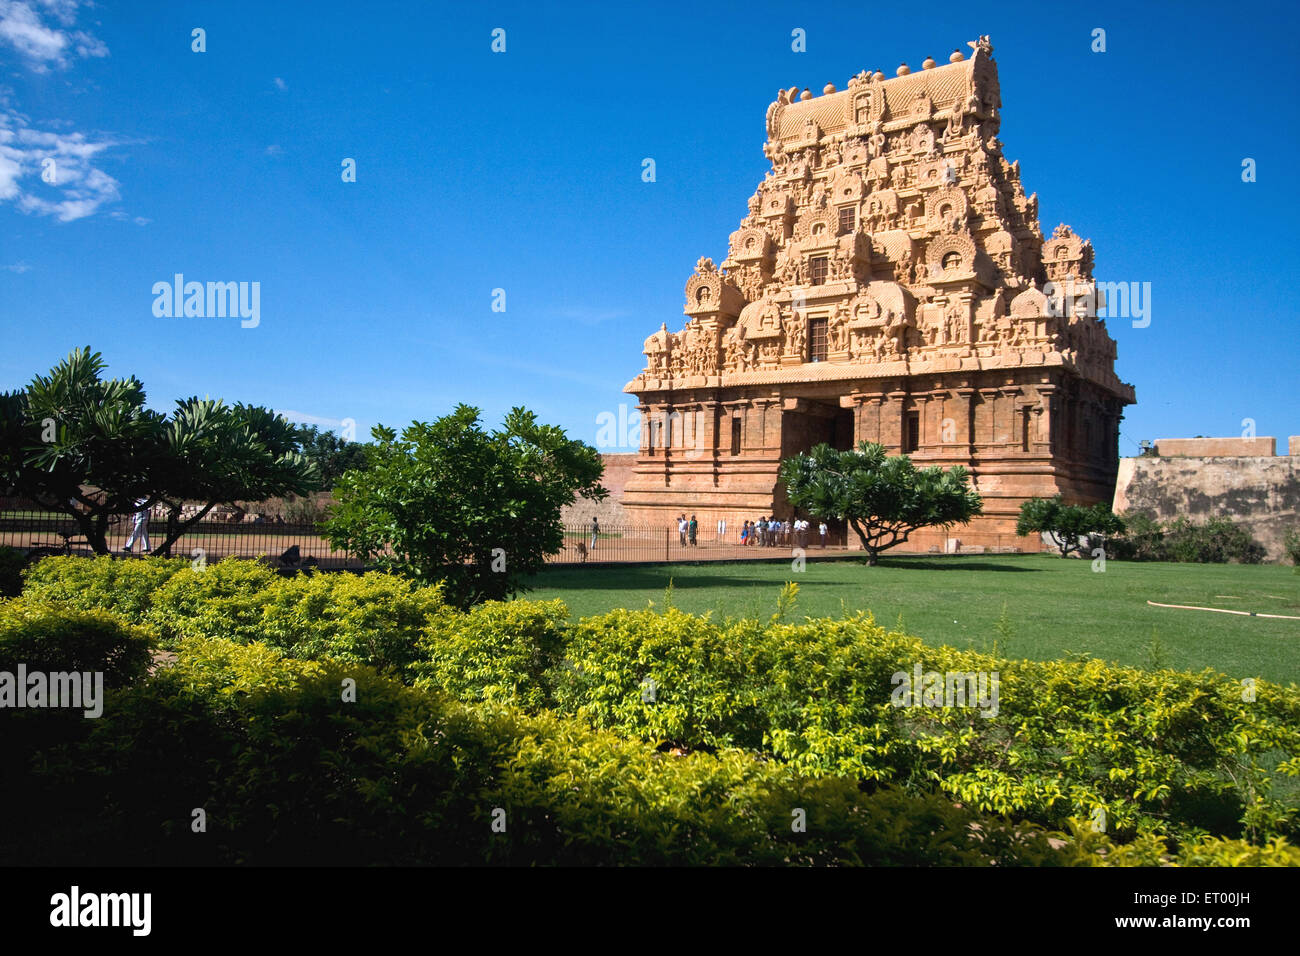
[(522, 171)]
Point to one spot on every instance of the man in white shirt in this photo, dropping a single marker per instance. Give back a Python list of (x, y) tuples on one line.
[(822, 528), (681, 529), (140, 528)]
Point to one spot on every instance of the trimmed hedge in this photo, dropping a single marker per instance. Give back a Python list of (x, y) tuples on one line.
[(48, 638), (374, 618), (104, 583), (1160, 752), (287, 772), (499, 651)]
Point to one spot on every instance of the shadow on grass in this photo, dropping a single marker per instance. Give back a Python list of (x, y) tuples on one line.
[(955, 562), (686, 576), (615, 578)]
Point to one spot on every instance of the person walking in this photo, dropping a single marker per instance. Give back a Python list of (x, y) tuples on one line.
[(744, 534), (821, 528), (693, 529), (681, 530), (140, 528), (595, 532)]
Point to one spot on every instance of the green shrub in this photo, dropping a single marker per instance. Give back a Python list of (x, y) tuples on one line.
[(1143, 539), (124, 587), (1291, 544), (669, 677), (375, 618), (12, 562), (1159, 751), (498, 651), (225, 600), (47, 638), (288, 773), (1096, 849), (1216, 541)]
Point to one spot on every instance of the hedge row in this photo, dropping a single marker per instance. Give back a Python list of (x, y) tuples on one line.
[(1158, 752), (285, 771)]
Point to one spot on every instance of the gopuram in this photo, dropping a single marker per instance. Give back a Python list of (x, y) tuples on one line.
[(890, 283)]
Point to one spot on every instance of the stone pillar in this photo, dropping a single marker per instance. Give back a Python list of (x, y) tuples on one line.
[(866, 416), (644, 413), (892, 416), (1047, 438), (987, 417), (768, 411), (965, 421), (708, 441)]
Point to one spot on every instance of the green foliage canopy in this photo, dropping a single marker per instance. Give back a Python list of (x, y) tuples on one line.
[(451, 501), (883, 498), (85, 446), (1069, 526)]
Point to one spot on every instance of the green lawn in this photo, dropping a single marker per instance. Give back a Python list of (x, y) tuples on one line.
[(1055, 606)]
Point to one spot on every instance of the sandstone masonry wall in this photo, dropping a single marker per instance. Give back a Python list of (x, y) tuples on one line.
[(1261, 492)]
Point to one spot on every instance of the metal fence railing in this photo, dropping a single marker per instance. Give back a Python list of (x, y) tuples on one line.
[(274, 538), (214, 540), (623, 544)]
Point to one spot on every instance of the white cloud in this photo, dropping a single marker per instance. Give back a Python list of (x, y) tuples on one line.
[(18, 267), (280, 84), (274, 150), (46, 43), (44, 34), (79, 188), (307, 418)]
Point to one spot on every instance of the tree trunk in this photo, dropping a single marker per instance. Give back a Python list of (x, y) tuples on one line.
[(176, 528)]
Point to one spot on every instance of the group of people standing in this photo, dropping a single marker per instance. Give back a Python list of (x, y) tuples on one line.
[(770, 533), (688, 531), (765, 532)]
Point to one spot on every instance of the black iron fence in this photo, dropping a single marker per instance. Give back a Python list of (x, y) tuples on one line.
[(289, 543), (50, 533), (622, 544)]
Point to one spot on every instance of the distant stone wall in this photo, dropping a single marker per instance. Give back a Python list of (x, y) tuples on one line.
[(1261, 492), (618, 468), (1216, 447)]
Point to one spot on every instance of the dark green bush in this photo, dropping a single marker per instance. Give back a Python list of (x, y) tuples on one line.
[(48, 638), (288, 773), (1215, 541), (1143, 539), (12, 562), (1291, 544)]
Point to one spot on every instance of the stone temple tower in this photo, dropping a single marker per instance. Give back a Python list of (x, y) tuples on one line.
[(890, 283)]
